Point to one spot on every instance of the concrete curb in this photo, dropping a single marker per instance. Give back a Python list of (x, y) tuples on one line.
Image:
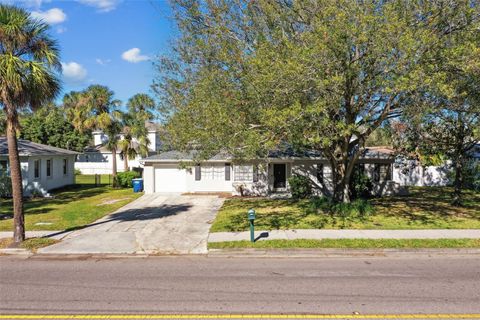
[(325, 253), (15, 251)]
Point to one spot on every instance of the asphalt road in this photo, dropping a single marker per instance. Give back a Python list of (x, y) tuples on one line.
[(413, 284)]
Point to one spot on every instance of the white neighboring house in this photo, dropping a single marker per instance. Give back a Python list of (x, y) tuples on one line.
[(164, 173), (44, 167), (98, 159)]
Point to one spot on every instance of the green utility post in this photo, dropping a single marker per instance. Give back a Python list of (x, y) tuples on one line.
[(251, 218)]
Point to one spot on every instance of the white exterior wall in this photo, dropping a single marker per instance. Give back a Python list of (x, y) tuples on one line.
[(413, 174), (101, 163), (309, 169), (207, 184), (43, 184), (148, 179)]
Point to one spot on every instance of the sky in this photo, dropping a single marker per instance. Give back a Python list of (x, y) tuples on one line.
[(107, 42)]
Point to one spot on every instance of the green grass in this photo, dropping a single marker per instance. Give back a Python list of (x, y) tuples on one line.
[(69, 208), (349, 244), (424, 208), (31, 244)]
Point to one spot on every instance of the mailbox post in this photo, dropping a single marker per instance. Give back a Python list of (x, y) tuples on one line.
[(251, 218)]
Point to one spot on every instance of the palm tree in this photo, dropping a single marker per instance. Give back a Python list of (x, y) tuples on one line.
[(140, 108), (29, 66)]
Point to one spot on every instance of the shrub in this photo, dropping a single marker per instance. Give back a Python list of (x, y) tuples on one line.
[(300, 187), (359, 209), (5, 185), (78, 172), (124, 179), (360, 185)]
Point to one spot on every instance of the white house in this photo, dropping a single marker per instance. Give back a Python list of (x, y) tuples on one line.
[(173, 171), (44, 167), (98, 159)]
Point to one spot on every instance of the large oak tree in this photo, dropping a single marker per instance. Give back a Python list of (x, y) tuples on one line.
[(249, 76)]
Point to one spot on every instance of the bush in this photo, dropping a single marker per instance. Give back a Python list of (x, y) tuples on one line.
[(300, 187), (78, 172), (359, 209), (5, 185), (124, 179), (360, 186)]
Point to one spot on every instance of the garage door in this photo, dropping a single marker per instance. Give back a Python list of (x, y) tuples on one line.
[(170, 179)]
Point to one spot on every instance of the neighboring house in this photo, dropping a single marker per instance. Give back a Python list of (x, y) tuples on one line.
[(97, 159), (43, 167), (173, 171)]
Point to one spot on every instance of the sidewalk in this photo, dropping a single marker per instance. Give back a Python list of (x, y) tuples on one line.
[(58, 235), (347, 234)]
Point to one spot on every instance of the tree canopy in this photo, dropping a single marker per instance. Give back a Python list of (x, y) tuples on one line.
[(248, 77)]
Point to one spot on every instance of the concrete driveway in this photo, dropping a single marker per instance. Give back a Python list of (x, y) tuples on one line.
[(154, 223)]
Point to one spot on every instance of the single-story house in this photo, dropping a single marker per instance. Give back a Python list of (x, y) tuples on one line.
[(174, 171), (43, 167)]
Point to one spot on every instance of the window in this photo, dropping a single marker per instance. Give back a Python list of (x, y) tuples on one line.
[(36, 169), (243, 173), (382, 172), (227, 171), (320, 173), (49, 168), (212, 172), (65, 166)]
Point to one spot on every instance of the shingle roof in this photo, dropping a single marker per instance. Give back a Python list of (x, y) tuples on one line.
[(28, 148), (288, 153)]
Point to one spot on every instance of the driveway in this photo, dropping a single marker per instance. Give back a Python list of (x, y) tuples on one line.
[(154, 223)]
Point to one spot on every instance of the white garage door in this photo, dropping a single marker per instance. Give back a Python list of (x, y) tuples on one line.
[(170, 179)]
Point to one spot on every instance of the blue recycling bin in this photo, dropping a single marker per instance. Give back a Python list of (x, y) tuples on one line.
[(137, 185)]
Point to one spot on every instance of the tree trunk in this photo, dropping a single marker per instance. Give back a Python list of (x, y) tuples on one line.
[(457, 193), (125, 162), (114, 167), (17, 186)]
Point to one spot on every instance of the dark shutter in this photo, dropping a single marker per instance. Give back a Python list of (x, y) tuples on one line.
[(255, 173), (198, 174), (227, 171), (320, 173)]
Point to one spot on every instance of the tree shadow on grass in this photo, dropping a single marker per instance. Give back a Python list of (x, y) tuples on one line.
[(147, 213)]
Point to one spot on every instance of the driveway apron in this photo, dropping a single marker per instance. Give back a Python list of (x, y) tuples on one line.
[(154, 223)]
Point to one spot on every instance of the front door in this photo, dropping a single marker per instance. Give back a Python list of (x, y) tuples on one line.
[(279, 175)]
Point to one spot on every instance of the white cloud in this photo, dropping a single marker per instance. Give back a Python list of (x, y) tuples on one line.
[(133, 55), (52, 16), (61, 29), (101, 5), (102, 62), (73, 72)]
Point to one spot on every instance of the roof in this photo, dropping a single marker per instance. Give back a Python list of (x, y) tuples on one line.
[(288, 153), (27, 148), (102, 148)]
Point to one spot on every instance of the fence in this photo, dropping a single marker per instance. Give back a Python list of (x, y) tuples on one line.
[(93, 179)]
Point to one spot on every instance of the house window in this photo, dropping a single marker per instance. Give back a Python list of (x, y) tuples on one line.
[(4, 167), (227, 171), (65, 166), (243, 173), (382, 172), (213, 172), (320, 173), (36, 169), (49, 168)]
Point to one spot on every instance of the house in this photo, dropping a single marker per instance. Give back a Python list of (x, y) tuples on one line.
[(174, 171), (44, 167), (97, 159)]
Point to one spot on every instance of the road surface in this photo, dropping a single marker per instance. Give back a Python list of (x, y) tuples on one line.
[(218, 285)]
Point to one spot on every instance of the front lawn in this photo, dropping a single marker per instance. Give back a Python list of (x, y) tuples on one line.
[(69, 208), (424, 208), (349, 244)]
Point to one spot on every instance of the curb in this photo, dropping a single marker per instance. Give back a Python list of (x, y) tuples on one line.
[(335, 253), (15, 251)]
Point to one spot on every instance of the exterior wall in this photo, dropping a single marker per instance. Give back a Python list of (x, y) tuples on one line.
[(308, 168), (99, 138), (208, 184), (149, 179), (412, 173), (43, 184), (101, 163)]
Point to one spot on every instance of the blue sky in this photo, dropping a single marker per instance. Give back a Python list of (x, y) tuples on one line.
[(108, 42)]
